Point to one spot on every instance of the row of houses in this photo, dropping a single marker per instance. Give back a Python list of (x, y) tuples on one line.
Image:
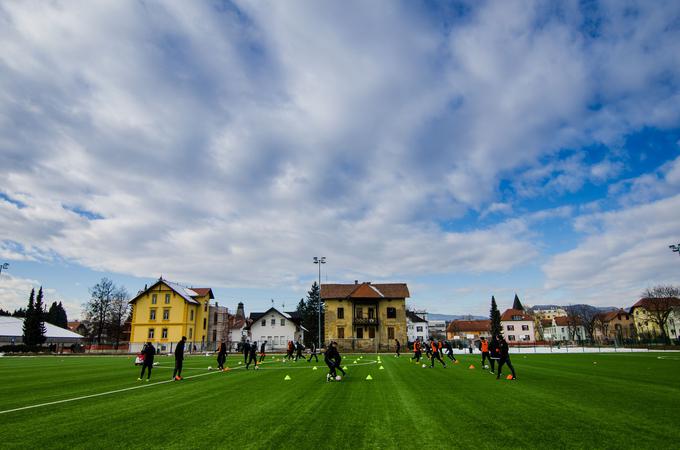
[(555, 324)]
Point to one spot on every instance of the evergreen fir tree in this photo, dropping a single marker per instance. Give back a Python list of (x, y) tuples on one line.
[(52, 314), (517, 304), (29, 319), (495, 317), (62, 318), (39, 323)]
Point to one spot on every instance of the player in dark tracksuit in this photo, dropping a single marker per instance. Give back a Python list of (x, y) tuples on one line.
[(398, 344), (449, 349), (298, 350), (245, 348), (179, 358), (263, 347), (494, 352), (505, 358), (148, 351), (221, 356), (313, 353), (332, 359), (252, 355), (435, 353)]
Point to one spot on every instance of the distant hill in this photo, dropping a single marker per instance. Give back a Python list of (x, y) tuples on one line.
[(450, 317), (599, 308)]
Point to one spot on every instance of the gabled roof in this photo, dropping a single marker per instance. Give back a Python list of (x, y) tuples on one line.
[(469, 325), (186, 293), (564, 321), (354, 290), (653, 304), (611, 315), (510, 313), (14, 327), (546, 323), (413, 317), (293, 316)]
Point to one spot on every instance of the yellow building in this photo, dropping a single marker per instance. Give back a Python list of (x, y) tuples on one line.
[(365, 317), (165, 312), (646, 313)]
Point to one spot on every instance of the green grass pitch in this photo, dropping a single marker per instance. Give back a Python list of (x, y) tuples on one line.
[(559, 401)]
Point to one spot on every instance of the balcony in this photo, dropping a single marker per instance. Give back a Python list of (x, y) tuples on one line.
[(365, 321)]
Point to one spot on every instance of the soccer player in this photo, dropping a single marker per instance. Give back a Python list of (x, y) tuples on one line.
[(148, 351), (505, 357), (252, 355), (494, 352), (262, 350), (291, 347), (179, 358), (398, 347), (298, 350), (416, 350), (313, 353), (484, 347), (332, 359), (221, 356), (245, 348), (435, 353), (449, 350)]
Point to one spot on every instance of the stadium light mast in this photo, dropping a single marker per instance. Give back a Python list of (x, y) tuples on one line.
[(4, 266), (675, 248), (319, 261)]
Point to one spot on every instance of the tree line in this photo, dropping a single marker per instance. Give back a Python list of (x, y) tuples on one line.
[(106, 311)]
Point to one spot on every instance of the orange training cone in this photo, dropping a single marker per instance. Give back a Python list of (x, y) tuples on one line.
[(509, 377), (472, 366)]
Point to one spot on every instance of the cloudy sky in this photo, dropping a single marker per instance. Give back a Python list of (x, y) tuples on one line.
[(466, 148)]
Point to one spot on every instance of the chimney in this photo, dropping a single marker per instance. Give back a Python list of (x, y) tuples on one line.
[(356, 281)]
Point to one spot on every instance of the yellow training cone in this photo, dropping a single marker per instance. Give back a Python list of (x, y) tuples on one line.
[(381, 368), (287, 378), (472, 366), (314, 368), (369, 377), (344, 368)]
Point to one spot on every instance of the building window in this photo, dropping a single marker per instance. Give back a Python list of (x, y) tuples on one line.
[(167, 299), (283, 322), (152, 314), (341, 333), (511, 337), (166, 314), (215, 318), (154, 299), (511, 328), (525, 327), (391, 313), (204, 322), (151, 331), (360, 333), (371, 313), (371, 332), (273, 322), (191, 333), (191, 315), (164, 333), (360, 313), (526, 337), (341, 313), (264, 323), (419, 329), (214, 335), (205, 307), (390, 332)]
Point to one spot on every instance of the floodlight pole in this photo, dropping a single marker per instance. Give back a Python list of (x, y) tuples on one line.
[(675, 248), (319, 261)]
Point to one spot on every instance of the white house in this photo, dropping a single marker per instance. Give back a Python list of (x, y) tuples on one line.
[(416, 327), (275, 327), (517, 325), (563, 329)]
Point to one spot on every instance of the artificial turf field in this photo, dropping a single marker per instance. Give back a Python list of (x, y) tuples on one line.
[(626, 400)]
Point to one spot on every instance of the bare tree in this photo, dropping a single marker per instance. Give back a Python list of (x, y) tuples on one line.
[(585, 316), (117, 315), (97, 308), (659, 302)]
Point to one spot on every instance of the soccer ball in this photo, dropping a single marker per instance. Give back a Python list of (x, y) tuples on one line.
[(338, 378), (486, 366), (257, 367), (424, 366), (209, 367)]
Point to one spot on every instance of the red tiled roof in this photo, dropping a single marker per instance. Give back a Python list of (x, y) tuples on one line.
[(652, 304), (388, 290), (564, 321), (203, 291), (469, 325), (546, 323), (509, 313), (611, 315)]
